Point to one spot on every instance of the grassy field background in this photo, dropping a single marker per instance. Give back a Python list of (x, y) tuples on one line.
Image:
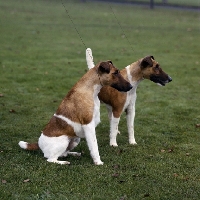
[(42, 57)]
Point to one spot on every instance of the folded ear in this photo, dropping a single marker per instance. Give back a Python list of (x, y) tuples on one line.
[(110, 62), (147, 61), (104, 67)]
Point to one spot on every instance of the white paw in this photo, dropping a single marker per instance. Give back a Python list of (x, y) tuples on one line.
[(71, 153), (64, 162), (133, 143), (98, 163), (58, 161), (113, 144), (77, 154), (118, 132)]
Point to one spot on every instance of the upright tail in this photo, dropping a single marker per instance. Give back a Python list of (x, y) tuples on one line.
[(28, 146), (89, 58)]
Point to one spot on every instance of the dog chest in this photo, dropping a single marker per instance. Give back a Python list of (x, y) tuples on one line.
[(131, 98), (96, 114)]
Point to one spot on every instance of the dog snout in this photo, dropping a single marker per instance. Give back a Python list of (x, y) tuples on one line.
[(129, 87), (169, 79), (125, 87)]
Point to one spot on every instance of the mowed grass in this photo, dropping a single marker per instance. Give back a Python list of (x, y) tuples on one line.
[(42, 56)]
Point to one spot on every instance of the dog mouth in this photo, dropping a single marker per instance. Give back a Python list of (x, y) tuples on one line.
[(161, 84), (159, 81), (121, 88)]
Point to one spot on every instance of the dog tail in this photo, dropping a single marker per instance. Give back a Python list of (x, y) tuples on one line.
[(89, 58), (28, 146)]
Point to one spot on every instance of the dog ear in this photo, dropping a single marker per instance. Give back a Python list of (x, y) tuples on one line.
[(110, 62), (147, 61), (104, 67)]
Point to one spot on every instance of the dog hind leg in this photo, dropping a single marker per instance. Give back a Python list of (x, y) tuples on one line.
[(72, 144), (54, 147)]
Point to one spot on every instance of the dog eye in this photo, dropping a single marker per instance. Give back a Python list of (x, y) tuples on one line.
[(116, 72), (157, 66)]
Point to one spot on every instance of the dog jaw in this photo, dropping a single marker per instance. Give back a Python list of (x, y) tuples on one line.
[(161, 80)]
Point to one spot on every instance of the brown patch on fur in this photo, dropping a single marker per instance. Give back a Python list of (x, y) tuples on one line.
[(72, 106), (57, 127), (32, 146), (78, 104), (112, 97)]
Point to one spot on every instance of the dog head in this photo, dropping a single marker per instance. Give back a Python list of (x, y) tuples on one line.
[(151, 70), (110, 75)]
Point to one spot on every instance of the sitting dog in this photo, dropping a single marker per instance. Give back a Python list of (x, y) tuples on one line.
[(116, 102), (78, 115)]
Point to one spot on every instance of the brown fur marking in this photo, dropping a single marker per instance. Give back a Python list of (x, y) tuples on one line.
[(57, 127), (32, 146)]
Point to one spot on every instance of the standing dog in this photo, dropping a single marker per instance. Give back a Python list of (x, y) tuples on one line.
[(116, 102), (78, 115)]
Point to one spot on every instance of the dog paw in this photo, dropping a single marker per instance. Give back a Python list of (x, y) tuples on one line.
[(98, 163), (133, 143), (64, 163), (113, 144), (74, 154), (77, 154), (58, 162)]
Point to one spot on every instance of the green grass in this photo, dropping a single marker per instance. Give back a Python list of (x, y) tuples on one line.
[(42, 57)]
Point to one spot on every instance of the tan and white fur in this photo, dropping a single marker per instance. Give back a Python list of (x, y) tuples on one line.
[(116, 103), (78, 115)]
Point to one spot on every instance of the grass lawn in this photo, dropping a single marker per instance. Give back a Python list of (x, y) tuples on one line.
[(42, 57)]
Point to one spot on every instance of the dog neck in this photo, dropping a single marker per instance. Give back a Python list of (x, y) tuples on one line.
[(93, 80), (133, 73), (99, 78)]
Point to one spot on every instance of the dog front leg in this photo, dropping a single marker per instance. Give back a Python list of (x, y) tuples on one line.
[(91, 139), (130, 115), (113, 130)]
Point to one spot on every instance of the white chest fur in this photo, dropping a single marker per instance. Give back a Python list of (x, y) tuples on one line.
[(96, 114), (131, 95)]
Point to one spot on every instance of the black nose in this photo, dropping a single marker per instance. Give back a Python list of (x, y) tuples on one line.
[(169, 79), (130, 87)]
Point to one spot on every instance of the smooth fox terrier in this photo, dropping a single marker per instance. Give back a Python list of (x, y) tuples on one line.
[(78, 115), (117, 102)]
